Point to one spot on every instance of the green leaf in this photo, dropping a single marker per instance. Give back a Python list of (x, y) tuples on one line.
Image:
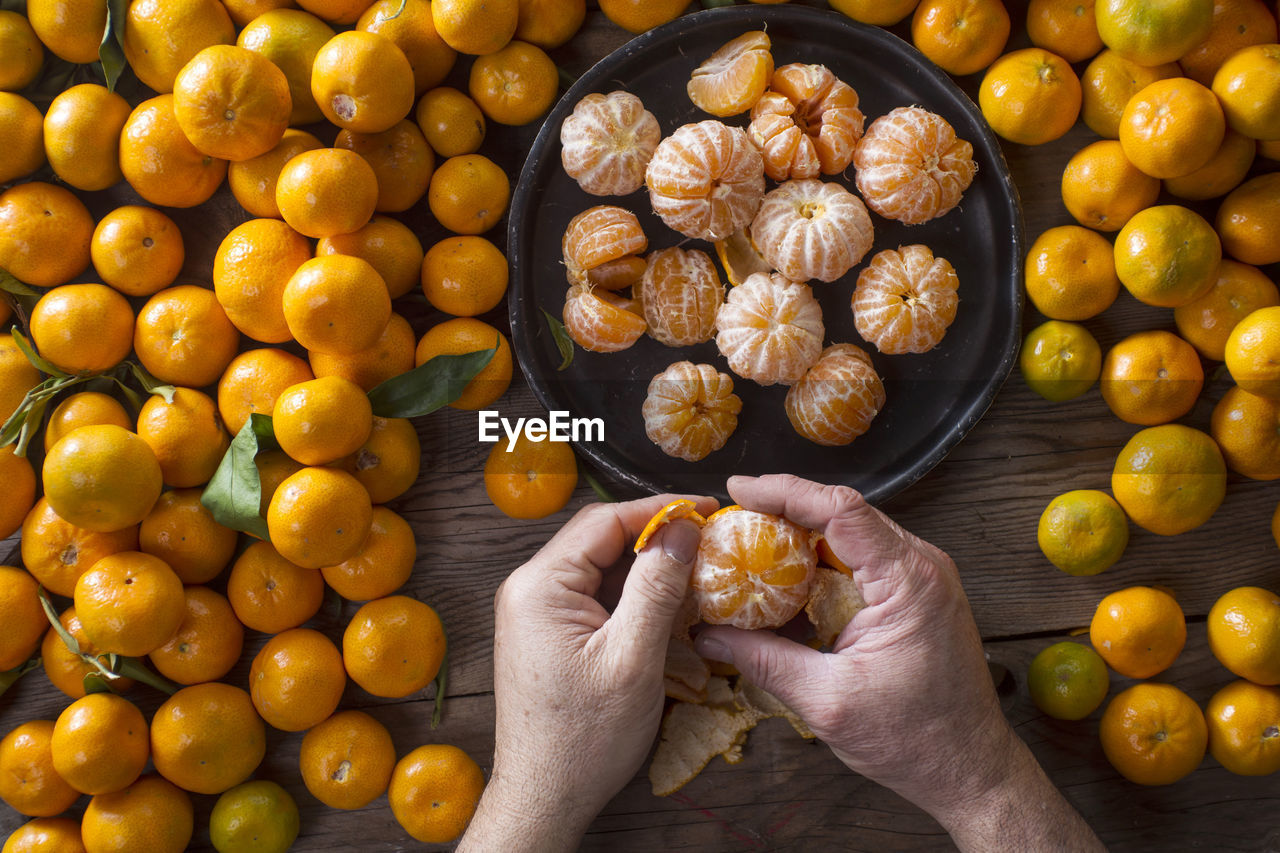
[(35, 358), (103, 677), (234, 495), (430, 386), (566, 79), (601, 492), (26, 420), (10, 677), (149, 383), (96, 682), (10, 284), (398, 11), (564, 343), (133, 668), (131, 396), (111, 48), (441, 678), (52, 615)]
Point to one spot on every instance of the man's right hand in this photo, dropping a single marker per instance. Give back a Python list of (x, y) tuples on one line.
[(905, 697)]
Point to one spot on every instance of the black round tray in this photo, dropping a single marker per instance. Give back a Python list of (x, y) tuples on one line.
[(933, 398)]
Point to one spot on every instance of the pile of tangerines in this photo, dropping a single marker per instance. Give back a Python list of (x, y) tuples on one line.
[(271, 401), (1183, 95)]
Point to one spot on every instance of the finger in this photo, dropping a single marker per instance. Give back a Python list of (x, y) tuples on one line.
[(787, 669), (655, 589), (600, 532), (854, 529), (596, 537)]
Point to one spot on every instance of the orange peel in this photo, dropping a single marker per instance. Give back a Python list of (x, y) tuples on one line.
[(678, 508), (722, 511)]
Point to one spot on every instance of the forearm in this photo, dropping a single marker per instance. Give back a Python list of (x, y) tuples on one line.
[(1025, 811), (508, 819)]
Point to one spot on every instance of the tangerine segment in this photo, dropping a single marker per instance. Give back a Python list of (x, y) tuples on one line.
[(706, 180), (607, 141), (912, 167), (597, 236), (681, 294), (617, 274), (690, 410), (733, 78), (809, 122), (810, 229), (600, 322), (740, 257), (836, 400), (770, 329), (753, 570), (905, 300), (678, 508)]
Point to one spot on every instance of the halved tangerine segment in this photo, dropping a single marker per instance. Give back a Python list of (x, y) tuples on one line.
[(690, 410), (753, 570), (600, 322), (905, 300), (734, 77), (678, 508), (617, 274), (808, 122), (597, 236), (740, 257)]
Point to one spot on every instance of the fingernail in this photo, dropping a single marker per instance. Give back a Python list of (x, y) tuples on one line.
[(680, 540), (712, 649)]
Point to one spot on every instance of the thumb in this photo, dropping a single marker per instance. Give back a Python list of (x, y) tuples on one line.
[(783, 667), (655, 588)]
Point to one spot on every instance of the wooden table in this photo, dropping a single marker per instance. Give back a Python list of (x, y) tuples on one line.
[(980, 504)]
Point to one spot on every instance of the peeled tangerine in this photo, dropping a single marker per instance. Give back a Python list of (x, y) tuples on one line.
[(690, 410), (836, 400), (753, 570), (598, 237), (770, 329), (680, 293), (706, 180), (734, 77), (912, 167), (905, 300), (808, 122), (607, 141), (601, 321), (810, 229)]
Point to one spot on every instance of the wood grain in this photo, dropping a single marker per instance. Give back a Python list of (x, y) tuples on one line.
[(980, 504)]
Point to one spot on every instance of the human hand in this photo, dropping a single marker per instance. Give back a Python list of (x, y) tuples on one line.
[(905, 697), (579, 690)]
